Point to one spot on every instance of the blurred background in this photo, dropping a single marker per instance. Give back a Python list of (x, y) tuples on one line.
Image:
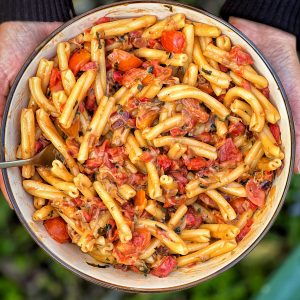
[(270, 271)]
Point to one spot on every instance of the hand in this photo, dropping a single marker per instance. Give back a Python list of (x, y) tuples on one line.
[(279, 48), (18, 40)]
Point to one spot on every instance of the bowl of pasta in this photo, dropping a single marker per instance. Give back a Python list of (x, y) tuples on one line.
[(169, 125)]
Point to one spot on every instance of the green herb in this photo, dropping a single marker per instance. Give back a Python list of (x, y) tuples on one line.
[(213, 128), (177, 230), (97, 265), (150, 69), (208, 72), (116, 66), (107, 227), (170, 55), (122, 38), (99, 40), (140, 87)]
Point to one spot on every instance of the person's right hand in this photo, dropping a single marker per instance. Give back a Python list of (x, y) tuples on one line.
[(279, 47), (18, 40)]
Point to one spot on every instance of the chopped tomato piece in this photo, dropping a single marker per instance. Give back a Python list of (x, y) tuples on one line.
[(205, 87), (140, 201), (55, 83), (223, 68), (204, 137), (240, 56), (173, 41), (175, 201), (254, 193), (89, 66), (192, 219), (176, 131), (276, 132), (229, 152), (194, 110), (266, 92), (246, 85), (240, 205), (146, 157), (78, 59), (133, 75), (128, 253), (123, 60), (244, 230), (166, 266), (236, 128), (117, 77), (103, 20), (164, 162), (87, 216), (195, 164), (160, 72), (57, 229), (180, 178)]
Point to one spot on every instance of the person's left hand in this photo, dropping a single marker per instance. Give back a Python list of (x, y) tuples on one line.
[(18, 40)]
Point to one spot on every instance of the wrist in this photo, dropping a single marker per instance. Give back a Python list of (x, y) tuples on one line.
[(265, 36)]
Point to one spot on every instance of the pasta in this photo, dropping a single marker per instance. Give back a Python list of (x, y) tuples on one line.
[(168, 143)]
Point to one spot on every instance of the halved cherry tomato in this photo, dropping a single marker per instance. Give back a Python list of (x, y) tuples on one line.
[(276, 132), (78, 59), (123, 60), (254, 193), (166, 266), (173, 41), (240, 56), (128, 253), (57, 229)]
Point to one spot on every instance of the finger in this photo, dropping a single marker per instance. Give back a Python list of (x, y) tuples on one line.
[(4, 191)]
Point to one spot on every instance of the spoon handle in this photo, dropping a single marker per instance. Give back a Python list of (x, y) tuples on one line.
[(15, 163)]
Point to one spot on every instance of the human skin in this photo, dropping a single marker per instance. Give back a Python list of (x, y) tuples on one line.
[(19, 39)]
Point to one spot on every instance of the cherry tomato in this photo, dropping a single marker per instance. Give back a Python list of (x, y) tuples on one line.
[(254, 193), (123, 60), (78, 59), (166, 266), (276, 132), (57, 229), (173, 41)]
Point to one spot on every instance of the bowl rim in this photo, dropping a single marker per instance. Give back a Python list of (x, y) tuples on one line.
[(101, 282)]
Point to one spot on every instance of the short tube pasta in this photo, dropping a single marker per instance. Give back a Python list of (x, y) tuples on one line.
[(161, 144)]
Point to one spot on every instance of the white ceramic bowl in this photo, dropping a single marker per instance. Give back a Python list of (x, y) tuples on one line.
[(70, 255)]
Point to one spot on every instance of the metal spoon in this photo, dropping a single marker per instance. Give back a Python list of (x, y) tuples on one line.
[(43, 158)]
